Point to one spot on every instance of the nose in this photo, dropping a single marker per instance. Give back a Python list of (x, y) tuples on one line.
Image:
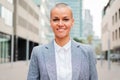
[(61, 23)]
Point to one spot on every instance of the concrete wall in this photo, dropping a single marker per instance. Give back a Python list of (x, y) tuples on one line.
[(27, 23), (3, 27)]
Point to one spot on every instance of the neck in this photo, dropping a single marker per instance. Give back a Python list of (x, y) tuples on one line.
[(62, 42)]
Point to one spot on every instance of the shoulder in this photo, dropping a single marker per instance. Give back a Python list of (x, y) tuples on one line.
[(84, 47), (38, 49), (89, 51)]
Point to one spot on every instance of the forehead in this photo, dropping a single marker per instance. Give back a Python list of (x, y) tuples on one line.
[(61, 11)]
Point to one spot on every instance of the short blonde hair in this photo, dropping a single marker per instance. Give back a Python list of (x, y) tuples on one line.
[(61, 5)]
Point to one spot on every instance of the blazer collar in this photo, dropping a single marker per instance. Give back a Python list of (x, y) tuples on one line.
[(51, 62), (65, 47)]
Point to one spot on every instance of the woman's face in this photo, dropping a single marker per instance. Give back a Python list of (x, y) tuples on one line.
[(61, 22)]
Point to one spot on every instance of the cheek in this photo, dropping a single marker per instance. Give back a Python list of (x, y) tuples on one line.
[(52, 25), (53, 28), (70, 26)]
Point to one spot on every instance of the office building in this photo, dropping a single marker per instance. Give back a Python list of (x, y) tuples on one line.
[(19, 29), (6, 29), (26, 27), (111, 27), (87, 24)]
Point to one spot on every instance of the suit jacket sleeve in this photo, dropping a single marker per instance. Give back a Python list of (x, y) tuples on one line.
[(92, 61), (33, 73)]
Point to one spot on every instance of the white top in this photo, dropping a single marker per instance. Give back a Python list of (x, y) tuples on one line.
[(63, 61)]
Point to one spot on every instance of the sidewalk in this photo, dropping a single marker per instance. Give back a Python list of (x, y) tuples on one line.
[(105, 74), (18, 71)]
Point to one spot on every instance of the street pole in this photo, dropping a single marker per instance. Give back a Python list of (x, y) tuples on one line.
[(12, 49), (109, 65), (101, 56), (101, 59), (27, 50)]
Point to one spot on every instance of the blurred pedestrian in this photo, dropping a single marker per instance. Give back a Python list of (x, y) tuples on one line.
[(63, 58)]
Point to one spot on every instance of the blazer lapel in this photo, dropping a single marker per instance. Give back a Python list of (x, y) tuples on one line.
[(76, 60), (50, 61)]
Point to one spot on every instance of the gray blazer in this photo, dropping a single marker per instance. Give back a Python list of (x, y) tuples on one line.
[(43, 65)]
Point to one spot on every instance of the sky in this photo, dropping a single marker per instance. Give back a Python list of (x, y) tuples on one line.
[(95, 7)]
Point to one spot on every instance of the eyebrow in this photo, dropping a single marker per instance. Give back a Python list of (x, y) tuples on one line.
[(55, 17), (66, 17), (63, 17)]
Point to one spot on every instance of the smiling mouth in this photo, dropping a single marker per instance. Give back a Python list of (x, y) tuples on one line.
[(60, 29)]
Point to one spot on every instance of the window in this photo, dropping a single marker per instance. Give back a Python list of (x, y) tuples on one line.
[(116, 16), (7, 16), (113, 36), (119, 32), (4, 48), (113, 20), (116, 34), (119, 13)]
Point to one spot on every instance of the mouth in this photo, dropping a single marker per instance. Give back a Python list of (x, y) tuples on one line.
[(60, 29)]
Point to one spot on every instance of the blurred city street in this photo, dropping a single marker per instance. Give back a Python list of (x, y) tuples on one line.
[(18, 71), (25, 24)]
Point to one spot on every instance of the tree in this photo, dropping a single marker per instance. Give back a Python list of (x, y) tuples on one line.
[(79, 40), (89, 39), (98, 49)]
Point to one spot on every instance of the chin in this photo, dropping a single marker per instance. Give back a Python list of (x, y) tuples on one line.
[(61, 36)]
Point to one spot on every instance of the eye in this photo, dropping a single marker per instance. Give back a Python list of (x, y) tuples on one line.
[(65, 19), (55, 20)]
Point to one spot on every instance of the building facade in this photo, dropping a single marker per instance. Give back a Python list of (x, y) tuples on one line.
[(87, 24), (6, 29), (19, 29), (111, 27), (26, 27)]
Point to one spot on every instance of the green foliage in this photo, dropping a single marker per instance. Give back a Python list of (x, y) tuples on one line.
[(79, 40), (98, 49), (89, 39)]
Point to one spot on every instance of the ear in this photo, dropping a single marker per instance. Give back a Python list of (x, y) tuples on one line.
[(72, 21), (50, 22)]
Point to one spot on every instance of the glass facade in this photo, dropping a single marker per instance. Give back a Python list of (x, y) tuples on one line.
[(7, 16), (4, 48), (37, 2)]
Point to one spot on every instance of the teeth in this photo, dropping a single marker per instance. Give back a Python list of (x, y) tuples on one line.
[(60, 29)]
